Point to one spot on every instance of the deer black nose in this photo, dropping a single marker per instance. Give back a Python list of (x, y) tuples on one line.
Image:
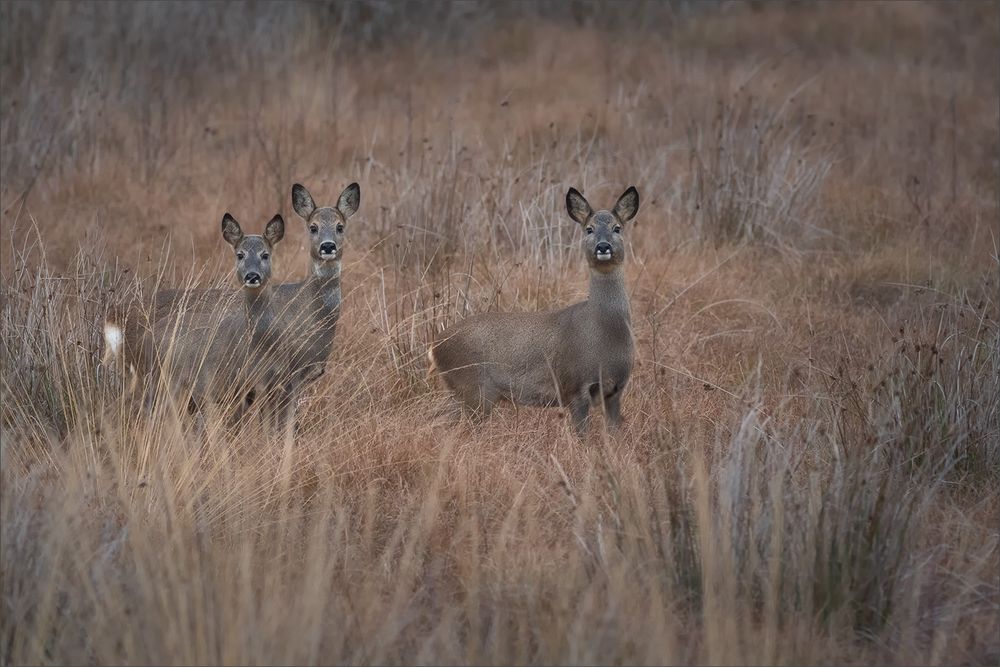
[(603, 248), (251, 279), (328, 248)]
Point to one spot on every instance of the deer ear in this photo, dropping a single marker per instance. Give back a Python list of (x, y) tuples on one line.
[(628, 204), (577, 206), (302, 201), (275, 230), (231, 230), (350, 200)]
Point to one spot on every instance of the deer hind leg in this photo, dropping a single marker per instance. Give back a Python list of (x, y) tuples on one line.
[(447, 409), (579, 410), (477, 402), (146, 394), (613, 408), (473, 398), (473, 392)]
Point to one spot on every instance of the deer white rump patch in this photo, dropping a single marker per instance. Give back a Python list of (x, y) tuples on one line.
[(113, 338)]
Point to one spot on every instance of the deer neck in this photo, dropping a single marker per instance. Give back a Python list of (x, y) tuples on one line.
[(259, 311), (325, 284), (608, 298)]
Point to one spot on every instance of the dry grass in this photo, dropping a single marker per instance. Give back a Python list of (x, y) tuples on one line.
[(809, 469)]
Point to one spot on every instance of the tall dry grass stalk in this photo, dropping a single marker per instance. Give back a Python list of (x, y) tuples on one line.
[(808, 471), (754, 177)]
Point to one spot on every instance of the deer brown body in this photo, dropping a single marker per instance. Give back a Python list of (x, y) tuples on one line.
[(218, 355), (309, 310), (575, 357)]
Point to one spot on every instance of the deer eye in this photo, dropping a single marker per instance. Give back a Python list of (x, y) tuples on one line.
[(240, 256), (313, 229), (618, 229), (590, 230), (265, 255), (340, 229)]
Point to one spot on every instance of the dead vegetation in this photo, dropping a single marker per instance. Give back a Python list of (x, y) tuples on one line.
[(809, 468)]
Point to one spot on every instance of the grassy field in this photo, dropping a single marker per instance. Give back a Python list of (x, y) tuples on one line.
[(809, 471)]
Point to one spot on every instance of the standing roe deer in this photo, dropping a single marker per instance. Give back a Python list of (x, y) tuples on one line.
[(308, 317), (573, 357), (214, 357)]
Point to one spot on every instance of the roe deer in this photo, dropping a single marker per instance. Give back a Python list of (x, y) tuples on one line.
[(219, 356), (311, 308), (573, 357)]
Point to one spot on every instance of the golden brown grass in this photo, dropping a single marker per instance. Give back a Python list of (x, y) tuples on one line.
[(809, 469)]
